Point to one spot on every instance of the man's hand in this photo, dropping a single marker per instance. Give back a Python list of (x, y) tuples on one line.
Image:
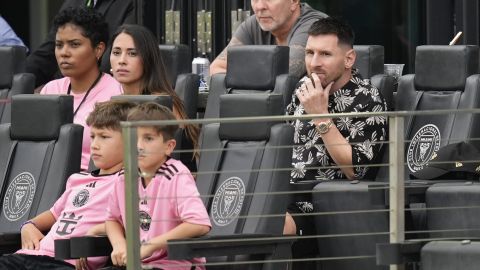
[(313, 96), (119, 255), (31, 237)]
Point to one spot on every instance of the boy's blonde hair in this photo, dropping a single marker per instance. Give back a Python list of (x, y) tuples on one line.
[(109, 114), (152, 111)]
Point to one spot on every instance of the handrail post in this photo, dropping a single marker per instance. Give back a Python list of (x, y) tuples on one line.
[(131, 197), (397, 182)]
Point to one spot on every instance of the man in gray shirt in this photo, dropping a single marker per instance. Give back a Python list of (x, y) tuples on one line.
[(276, 22)]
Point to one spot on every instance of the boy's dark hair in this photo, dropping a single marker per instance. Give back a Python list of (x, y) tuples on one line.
[(151, 111), (91, 23), (335, 26), (109, 114)]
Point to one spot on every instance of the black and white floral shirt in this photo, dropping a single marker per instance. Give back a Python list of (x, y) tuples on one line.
[(310, 156)]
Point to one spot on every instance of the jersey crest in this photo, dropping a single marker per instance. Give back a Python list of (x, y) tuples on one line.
[(81, 198)]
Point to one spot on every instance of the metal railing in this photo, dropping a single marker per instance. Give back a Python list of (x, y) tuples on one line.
[(395, 186)]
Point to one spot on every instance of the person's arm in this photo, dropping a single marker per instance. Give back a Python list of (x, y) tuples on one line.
[(339, 148), (190, 209), (297, 61), (31, 233), (116, 235), (98, 229), (219, 65), (8, 37), (182, 231), (315, 101)]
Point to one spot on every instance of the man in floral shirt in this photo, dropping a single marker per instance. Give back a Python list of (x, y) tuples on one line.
[(333, 148)]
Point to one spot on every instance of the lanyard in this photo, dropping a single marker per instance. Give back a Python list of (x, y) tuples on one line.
[(86, 94)]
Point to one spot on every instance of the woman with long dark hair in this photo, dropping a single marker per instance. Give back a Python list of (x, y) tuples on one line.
[(137, 64)]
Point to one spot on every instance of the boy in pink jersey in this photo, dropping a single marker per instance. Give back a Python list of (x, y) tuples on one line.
[(81, 208), (170, 205)]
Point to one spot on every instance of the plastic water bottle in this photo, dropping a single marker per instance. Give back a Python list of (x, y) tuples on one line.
[(200, 66)]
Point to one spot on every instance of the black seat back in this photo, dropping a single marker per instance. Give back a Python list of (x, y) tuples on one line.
[(178, 63), (369, 62), (12, 80), (252, 69), (446, 78), (39, 150), (455, 85), (250, 162)]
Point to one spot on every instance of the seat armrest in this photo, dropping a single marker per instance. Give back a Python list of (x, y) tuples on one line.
[(399, 253), (90, 246), (300, 189), (404, 252), (242, 244), (414, 191), (82, 247), (10, 242), (62, 249), (8, 238)]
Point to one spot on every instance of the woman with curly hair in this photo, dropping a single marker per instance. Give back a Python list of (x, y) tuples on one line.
[(80, 41)]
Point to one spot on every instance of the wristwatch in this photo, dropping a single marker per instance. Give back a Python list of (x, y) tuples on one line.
[(323, 127)]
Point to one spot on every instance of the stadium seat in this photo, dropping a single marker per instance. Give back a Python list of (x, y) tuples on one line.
[(39, 150), (12, 79), (369, 62), (252, 69), (446, 255), (443, 80), (460, 223), (178, 63), (252, 161), (247, 179)]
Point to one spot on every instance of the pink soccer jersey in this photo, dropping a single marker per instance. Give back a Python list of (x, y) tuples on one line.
[(103, 91), (82, 206), (170, 199)]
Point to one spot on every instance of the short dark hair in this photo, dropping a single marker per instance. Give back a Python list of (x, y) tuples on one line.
[(91, 22), (335, 26), (151, 111), (109, 114)]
